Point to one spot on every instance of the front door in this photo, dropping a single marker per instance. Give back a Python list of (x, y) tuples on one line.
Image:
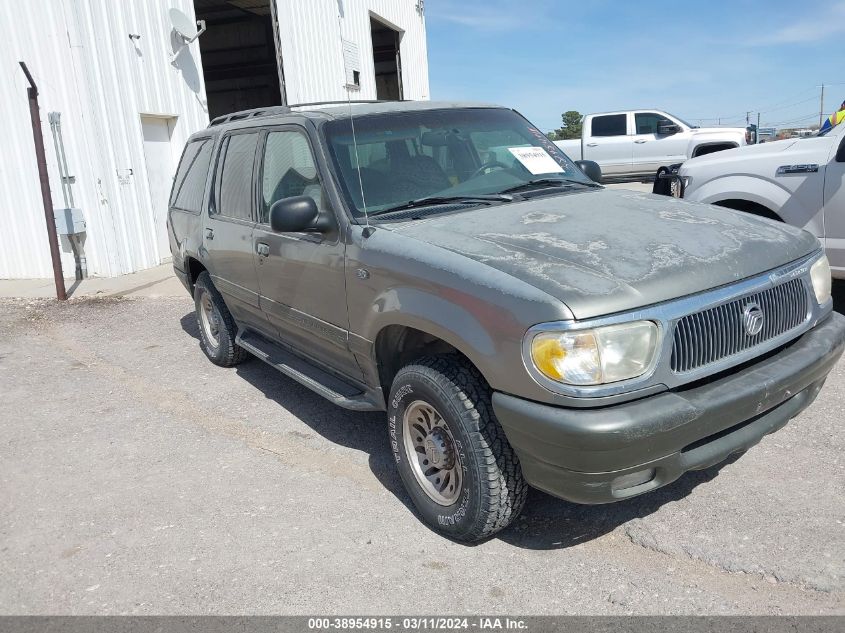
[(834, 205), (652, 150), (228, 229), (301, 275)]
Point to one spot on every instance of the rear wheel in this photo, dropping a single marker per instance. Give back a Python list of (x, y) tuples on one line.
[(453, 457), (216, 325)]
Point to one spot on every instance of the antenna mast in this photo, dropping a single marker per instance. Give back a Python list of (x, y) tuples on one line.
[(367, 228)]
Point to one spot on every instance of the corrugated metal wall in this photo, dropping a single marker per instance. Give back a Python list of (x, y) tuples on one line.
[(102, 81), (87, 68), (311, 35)]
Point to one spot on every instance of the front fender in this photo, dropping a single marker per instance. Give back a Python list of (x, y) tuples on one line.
[(451, 320), (482, 312)]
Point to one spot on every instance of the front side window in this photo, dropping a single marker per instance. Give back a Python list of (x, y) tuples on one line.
[(189, 182), (399, 157), (610, 125), (237, 156), (647, 122), (288, 170)]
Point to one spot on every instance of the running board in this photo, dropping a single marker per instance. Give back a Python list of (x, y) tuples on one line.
[(308, 375)]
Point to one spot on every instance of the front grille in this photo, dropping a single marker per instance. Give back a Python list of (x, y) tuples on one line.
[(712, 335)]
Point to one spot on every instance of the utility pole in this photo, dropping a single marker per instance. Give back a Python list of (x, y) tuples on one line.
[(821, 108), (757, 140)]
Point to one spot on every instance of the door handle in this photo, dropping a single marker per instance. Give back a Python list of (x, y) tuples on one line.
[(640, 141), (262, 249), (209, 234), (592, 144)]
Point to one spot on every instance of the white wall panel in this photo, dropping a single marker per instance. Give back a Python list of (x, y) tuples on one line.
[(311, 33), (87, 68)]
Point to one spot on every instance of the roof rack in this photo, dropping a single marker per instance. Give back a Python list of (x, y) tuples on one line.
[(249, 114), (344, 102), (274, 110)]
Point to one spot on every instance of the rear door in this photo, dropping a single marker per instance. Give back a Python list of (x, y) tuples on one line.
[(652, 150), (834, 205), (229, 226), (609, 144), (301, 275)]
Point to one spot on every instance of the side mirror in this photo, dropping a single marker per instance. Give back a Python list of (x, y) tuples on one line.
[(590, 168), (667, 128), (297, 214), (840, 153)]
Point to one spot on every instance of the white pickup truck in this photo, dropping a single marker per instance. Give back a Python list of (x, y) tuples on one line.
[(639, 142), (798, 181)]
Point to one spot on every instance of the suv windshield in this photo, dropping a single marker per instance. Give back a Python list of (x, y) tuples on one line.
[(451, 153)]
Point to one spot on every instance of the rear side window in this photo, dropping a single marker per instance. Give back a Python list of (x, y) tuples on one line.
[(610, 125), (236, 192), (189, 183)]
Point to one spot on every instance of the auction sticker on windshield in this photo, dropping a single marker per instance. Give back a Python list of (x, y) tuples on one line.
[(536, 160)]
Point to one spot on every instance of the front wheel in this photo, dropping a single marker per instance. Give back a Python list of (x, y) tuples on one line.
[(453, 457)]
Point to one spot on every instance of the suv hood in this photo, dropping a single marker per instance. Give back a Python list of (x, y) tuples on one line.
[(745, 152), (719, 130), (607, 251)]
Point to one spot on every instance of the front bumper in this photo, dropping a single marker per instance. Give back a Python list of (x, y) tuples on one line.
[(594, 455)]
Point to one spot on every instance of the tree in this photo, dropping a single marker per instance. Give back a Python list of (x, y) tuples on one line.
[(571, 127)]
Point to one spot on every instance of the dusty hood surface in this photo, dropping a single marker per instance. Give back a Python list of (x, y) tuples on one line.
[(718, 130), (606, 251), (746, 152)]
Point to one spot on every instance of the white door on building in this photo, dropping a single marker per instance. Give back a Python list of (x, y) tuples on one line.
[(158, 155)]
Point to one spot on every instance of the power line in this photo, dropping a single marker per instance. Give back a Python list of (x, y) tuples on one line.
[(788, 99), (784, 107), (779, 105), (792, 121)]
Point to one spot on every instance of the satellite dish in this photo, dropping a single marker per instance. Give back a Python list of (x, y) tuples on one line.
[(183, 25), (189, 31)]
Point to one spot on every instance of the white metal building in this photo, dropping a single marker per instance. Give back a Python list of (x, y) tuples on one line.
[(127, 105)]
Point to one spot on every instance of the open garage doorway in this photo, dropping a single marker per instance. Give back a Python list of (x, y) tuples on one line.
[(239, 55), (386, 60)]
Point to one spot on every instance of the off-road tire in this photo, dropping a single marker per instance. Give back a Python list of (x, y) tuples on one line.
[(493, 491), (226, 352)]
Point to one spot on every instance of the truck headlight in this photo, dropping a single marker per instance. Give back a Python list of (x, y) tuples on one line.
[(596, 356), (679, 186), (820, 276)]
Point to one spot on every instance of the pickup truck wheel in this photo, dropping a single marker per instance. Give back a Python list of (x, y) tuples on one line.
[(216, 325), (453, 457)]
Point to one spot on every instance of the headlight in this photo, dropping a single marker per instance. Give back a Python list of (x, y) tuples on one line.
[(679, 186), (820, 275), (596, 356)]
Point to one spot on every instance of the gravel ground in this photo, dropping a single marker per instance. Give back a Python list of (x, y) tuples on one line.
[(136, 477)]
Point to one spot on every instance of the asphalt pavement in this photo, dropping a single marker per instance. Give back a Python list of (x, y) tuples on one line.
[(137, 477)]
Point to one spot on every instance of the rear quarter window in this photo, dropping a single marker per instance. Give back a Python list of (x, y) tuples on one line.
[(191, 176)]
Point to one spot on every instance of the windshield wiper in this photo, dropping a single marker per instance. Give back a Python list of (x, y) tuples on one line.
[(540, 183), (430, 201)]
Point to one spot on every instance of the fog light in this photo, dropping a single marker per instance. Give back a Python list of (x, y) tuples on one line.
[(631, 480)]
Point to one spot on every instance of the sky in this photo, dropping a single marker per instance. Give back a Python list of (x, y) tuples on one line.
[(708, 62)]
